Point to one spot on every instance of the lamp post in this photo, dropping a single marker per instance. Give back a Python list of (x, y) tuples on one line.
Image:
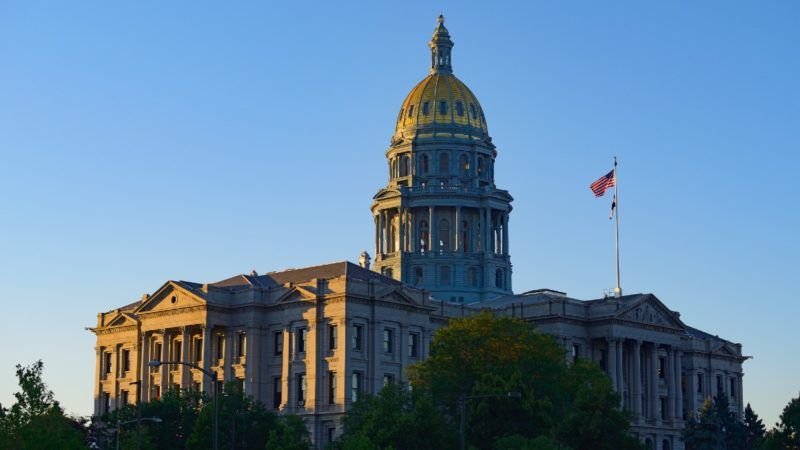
[(137, 420), (212, 376), (462, 406)]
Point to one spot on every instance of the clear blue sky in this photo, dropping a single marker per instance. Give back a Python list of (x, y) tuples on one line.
[(146, 141)]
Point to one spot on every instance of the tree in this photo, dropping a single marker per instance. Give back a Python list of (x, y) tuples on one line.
[(786, 434), (754, 429), (715, 428), (396, 418), (36, 420)]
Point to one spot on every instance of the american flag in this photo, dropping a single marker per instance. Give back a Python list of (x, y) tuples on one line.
[(606, 181)]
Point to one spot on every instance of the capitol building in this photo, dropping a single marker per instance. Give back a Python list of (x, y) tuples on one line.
[(310, 341)]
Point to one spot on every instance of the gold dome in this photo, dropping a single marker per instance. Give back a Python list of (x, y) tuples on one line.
[(441, 103)]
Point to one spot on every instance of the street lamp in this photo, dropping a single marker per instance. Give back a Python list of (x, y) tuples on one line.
[(137, 420), (462, 406), (213, 377)]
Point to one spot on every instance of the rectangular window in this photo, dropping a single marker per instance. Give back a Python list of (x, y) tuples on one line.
[(126, 360), (157, 351), (277, 394), (301, 389), (106, 406), (602, 359), (198, 349), (733, 388), (426, 108), (411, 111), (700, 383), (278, 341), (331, 388), (413, 345), (663, 405), (356, 386), (443, 107), (238, 384), (445, 273), (156, 392), (176, 351), (576, 351), (123, 398), (719, 384), (108, 358), (301, 340), (661, 368), (220, 346), (358, 337), (333, 337), (388, 340), (387, 379), (196, 386), (241, 345)]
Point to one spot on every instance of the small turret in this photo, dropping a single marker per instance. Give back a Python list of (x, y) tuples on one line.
[(440, 49)]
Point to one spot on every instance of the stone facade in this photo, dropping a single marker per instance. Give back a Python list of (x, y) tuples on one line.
[(310, 341)]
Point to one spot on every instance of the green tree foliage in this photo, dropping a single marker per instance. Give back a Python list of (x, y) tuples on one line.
[(479, 360), (786, 434), (36, 420), (717, 427), (753, 429), (396, 418)]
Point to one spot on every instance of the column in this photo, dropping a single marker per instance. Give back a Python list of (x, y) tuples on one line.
[(251, 372), (377, 236), (165, 345), (669, 375), (208, 339), (401, 230), (412, 234), (611, 366), (186, 372), (691, 388), (489, 232), (637, 380), (679, 391), (144, 367), (98, 373), (620, 374), (480, 239), (433, 243), (457, 240), (286, 370), (652, 383), (505, 234)]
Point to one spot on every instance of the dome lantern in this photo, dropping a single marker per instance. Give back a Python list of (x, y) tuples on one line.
[(440, 49)]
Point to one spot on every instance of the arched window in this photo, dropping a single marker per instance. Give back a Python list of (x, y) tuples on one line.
[(465, 247), (480, 166), (417, 280), (648, 444), (393, 237), (423, 164), (498, 278), (463, 165), (444, 275), (394, 167), (388, 272), (444, 164), (473, 111), (424, 238), (404, 165), (665, 444), (444, 235), (472, 277)]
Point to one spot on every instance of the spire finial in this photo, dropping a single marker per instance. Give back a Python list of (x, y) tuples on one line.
[(440, 48)]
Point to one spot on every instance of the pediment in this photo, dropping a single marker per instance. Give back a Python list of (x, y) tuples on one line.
[(171, 296), (395, 295), (727, 351), (297, 294), (651, 311), (122, 319)]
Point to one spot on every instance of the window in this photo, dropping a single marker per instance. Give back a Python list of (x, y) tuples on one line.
[(465, 247), (442, 107), (106, 402), (413, 345), (238, 384), (198, 349), (719, 384), (176, 350), (333, 337), (157, 350), (444, 275), (602, 359), (417, 280), (576, 351), (331, 388), (426, 108), (301, 389), (108, 357), (126, 360), (123, 397), (356, 386), (388, 272), (411, 111), (444, 164), (423, 164), (388, 340), (278, 343), (733, 388), (472, 110), (661, 367), (156, 392), (196, 386), (277, 394), (498, 278), (460, 108), (301, 340), (463, 165), (663, 406), (387, 379), (400, 114), (241, 345), (473, 277), (220, 346), (423, 233), (480, 167), (700, 383), (358, 337), (444, 235)]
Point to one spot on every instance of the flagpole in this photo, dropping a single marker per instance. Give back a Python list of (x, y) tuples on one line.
[(618, 289)]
